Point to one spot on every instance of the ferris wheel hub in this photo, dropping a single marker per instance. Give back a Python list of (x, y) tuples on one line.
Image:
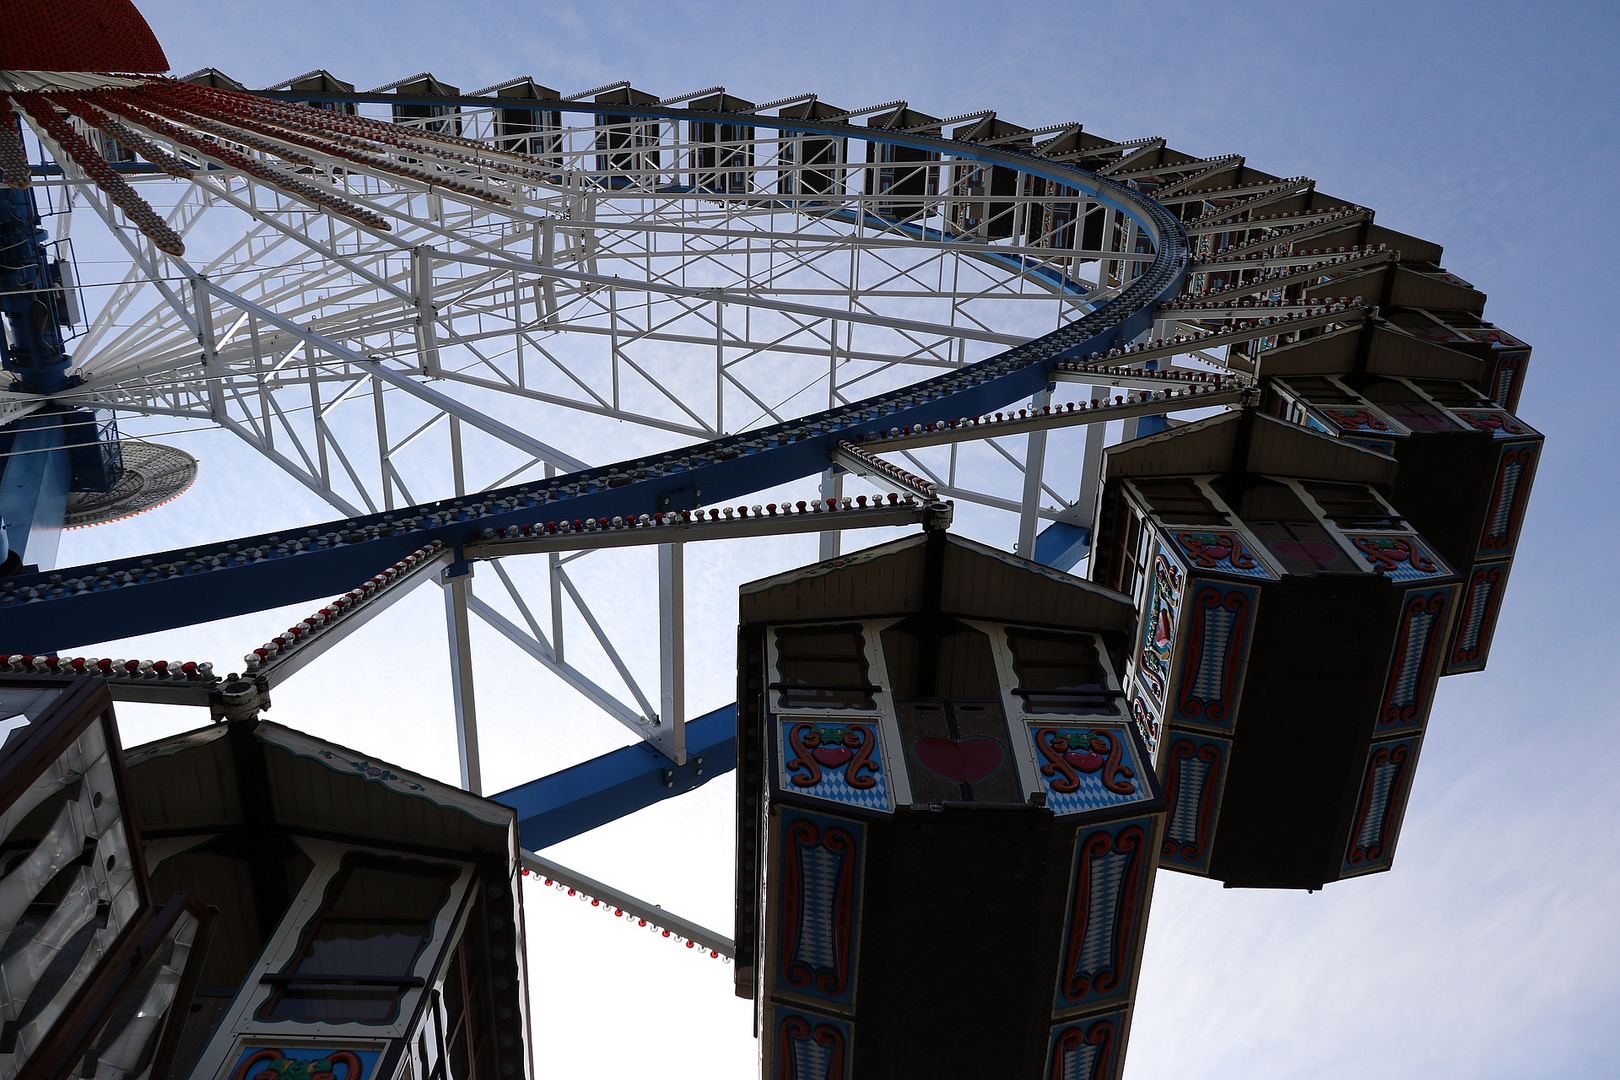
[(153, 474), (78, 35)]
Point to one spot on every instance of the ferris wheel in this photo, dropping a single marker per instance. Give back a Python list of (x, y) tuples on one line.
[(433, 310), (427, 316)]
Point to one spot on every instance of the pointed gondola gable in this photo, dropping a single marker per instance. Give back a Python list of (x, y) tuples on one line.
[(1274, 447), (1395, 351), (722, 102), (884, 578), (1391, 350), (980, 583), (190, 781), (905, 118), (1277, 448), (214, 78), (422, 84), (319, 84), (1203, 446), (984, 583), (417, 106), (318, 81)]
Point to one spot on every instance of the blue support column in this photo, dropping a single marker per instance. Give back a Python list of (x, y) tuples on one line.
[(1151, 425), (36, 472), (34, 482), (31, 298)]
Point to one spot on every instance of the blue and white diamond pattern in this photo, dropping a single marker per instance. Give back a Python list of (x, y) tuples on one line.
[(1505, 499), (1384, 777), (1079, 1063), (832, 786), (1209, 679), (1102, 912), (1419, 628), (1091, 794), (1183, 824), (1084, 1050), (818, 870)]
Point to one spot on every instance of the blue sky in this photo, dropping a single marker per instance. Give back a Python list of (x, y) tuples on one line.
[(1491, 949)]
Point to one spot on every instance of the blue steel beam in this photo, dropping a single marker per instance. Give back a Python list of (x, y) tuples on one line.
[(125, 597), (79, 606), (1061, 545), (567, 803)]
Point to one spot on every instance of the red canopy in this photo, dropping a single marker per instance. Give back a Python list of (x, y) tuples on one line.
[(77, 35)]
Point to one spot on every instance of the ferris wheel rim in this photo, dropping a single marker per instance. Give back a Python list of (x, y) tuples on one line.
[(1104, 190)]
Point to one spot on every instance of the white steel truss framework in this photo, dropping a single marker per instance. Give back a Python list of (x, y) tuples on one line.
[(648, 279)]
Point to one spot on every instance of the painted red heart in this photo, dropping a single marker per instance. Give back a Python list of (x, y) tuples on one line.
[(831, 756), (1309, 551), (967, 761), (1085, 761)]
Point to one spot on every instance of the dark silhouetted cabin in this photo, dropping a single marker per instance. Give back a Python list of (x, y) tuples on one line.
[(627, 144), (1062, 219), (524, 129), (1146, 165), (1418, 374), (1293, 626), (722, 153), (1161, 171), (947, 823), (1087, 151), (319, 84), (245, 900), (420, 111), (902, 174), (1467, 463), (97, 964), (364, 914), (982, 196), (812, 164)]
